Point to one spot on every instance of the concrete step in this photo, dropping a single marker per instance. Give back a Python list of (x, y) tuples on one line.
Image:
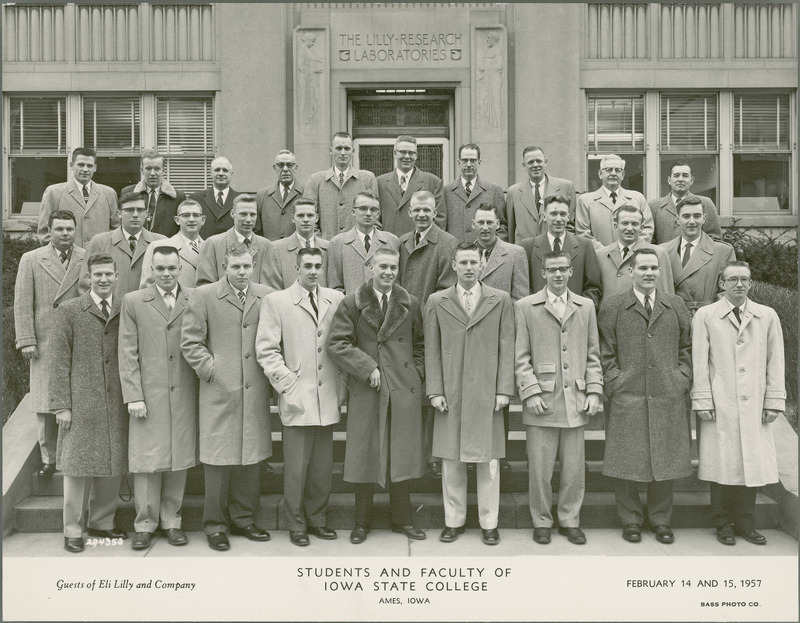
[(44, 513)]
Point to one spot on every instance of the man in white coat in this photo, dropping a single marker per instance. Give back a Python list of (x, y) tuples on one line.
[(738, 391), (160, 390), (290, 346)]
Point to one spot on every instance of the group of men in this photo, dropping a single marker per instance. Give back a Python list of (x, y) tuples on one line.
[(427, 308)]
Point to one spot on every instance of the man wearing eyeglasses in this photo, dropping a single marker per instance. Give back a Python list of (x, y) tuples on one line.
[(127, 243), (187, 241), (162, 198), (276, 203), (594, 214), (396, 188), (738, 392)]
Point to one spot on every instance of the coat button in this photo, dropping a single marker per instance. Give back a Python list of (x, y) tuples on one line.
[(650, 366), (168, 327), (566, 365), (563, 330), (319, 333), (171, 357), (744, 398), (741, 369), (105, 332), (245, 325), (740, 342), (55, 305), (563, 348), (400, 339), (405, 363), (172, 388), (566, 385), (247, 355), (412, 390), (649, 335), (319, 350), (247, 385), (320, 383), (107, 359), (319, 367), (619, 274)]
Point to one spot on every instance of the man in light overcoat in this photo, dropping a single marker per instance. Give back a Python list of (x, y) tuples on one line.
[(469, 367), (560, 382), (218, 338), (645, 351), (377, 339), (290, 346), (160, 391), (46, 277), (284, 251), (739, 390)]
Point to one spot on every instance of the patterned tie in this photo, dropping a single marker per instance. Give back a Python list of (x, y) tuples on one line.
[(220, 200), (284, 191), (468, 187), (468, 305), (417, 238), (341, 179), (686, 254), (484, 259), (648, 309), (193, 244), (241, 296), (366, 242), (168, 300), (132, 242), (403, 182), (313, 304), (737, 314), (625, 251), (308, 244), (537, 197), (104, 308), (151, 210), (247, 242), (557, 245), (85, 194), (64, 258), (613, 197)]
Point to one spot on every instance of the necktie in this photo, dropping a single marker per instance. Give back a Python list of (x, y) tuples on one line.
[(737, 314), (151, 210), (613, 197), (484, 259), (132, 242), (284, 191), (220, 200), (558, 305), (64, 258), (403, 183), (537, 198), (193, 244), (625, 251), (104, 308), (468, 302), (341, 179), (468, 187), (313, 304), (557, 245), (168, 300), (686, 253), (383, 304), (308, 244), (648, 309), (85, 193), (241, 296), (417, 238), (366, 242), (247, 242)]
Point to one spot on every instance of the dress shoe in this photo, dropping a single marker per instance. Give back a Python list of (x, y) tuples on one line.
[(74, 546), (176, 536), (505, 466), (632, 533), (141, 540), (251, 532), (321, 532), (298, 537), (574, 535), (47, 470), (436, 469), (359, 534), (664, 534), (725, 535), (410, 531), (449, 535), (751, 536), (107, 534), (541, 535), (219, 541), (491, 536)]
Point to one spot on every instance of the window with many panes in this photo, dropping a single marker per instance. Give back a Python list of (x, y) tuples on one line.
[(42, 131), (616, 125)]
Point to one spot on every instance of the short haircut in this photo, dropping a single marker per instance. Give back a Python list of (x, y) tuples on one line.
[(63, 215), (627, 207), (165, 249), (469, 146), (608, 157), (644, 251), (365, 193), (688, 200), (187, 203), (555, 199), (130, 198), (340, 135), (305, 202), (100, 258), (488, 207), (735, 264), (308, 251), (405, 138), (556, 255), (83, 151), (385, 251), (228, 160), (237, 250), (424, 195), (243, 198), (284, 152), (151, 154), (466, 246), (679, 163), (531, 148)]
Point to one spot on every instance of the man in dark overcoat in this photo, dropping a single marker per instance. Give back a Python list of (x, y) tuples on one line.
[(86, 397), (645, 351), (376, 337)]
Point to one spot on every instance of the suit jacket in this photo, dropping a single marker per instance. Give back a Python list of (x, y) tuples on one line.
[(614, 273), (166, 207), (507, 270), (461, 209), (291, 348), (665, 215), (99, 214), (697, 283), (276, 214), (427, 268), (218, 220), (525, 220), (347, 258), (394, 202), (212, 255), (585, 269), (594, 215), (334, 204), (42, 285), (218, 338), (284, 260), (153, 369), (129, 265), (557, 358), (189, 261)]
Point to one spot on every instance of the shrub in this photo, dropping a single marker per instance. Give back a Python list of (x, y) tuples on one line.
[(772, 258)]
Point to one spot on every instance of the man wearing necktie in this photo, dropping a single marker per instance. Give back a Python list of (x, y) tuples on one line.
[(94, 205), (594, 214), (290, 346), (738, 392), (469, 366), (161, 397), (560, 382), (383, 354), (162, 199), (276, 203), (86, 397), (218, 337), (217, 201), (645, 350), (47, 277)]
